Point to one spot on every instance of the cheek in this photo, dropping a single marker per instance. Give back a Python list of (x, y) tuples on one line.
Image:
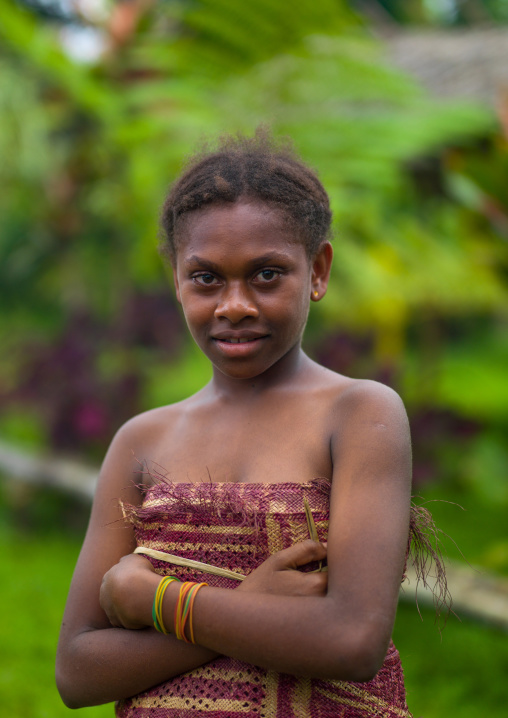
[(193, 314), (192, 310), (301, 310), (289, 316)]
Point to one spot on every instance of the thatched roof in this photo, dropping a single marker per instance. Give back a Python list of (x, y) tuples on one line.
[(468, 63)]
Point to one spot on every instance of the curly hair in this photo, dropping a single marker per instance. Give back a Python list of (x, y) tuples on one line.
[(255, 169)]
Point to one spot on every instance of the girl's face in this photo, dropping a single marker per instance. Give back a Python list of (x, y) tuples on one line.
[(244, 282)]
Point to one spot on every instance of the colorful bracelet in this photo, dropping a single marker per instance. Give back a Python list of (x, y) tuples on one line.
[(184, 608), (158, 621)]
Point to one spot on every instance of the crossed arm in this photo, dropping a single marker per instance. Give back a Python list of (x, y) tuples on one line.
[(278, 618)]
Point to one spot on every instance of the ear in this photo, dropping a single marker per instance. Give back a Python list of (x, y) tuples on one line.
[(321, 266), (176, 283)]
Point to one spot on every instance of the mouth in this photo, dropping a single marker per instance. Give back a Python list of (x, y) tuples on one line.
[(232, 346), (236, 340), (241, 337)]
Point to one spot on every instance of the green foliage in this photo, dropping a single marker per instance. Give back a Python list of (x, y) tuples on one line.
[(25, 425), (106, 143), (88, 151), (459, 671), (450, 13), (169, 382)]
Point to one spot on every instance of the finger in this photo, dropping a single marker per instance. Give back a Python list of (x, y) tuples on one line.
[(309, 584), (300, 554), (321, 584)]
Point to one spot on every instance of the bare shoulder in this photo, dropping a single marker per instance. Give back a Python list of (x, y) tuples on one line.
[(348, 396), (138, 438), (362, 410), (370, 397), (148, 428), (143, 426), (370, 424)]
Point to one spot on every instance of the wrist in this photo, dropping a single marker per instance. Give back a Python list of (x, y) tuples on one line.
[(141, 595), (173, 607), (171, 597)]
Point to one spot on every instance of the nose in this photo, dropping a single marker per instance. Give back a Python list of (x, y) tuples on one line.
[(236, 303)]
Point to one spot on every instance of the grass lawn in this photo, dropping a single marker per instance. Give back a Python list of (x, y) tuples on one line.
[(35, 579), (461, 673)]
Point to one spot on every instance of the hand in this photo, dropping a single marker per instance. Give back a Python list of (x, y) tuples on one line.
[(127, 592), (279, 574)]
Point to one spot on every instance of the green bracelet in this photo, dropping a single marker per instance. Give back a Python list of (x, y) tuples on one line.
[(158, 621)]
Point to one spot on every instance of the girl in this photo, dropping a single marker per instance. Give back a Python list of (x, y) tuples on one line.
[(274, 446)]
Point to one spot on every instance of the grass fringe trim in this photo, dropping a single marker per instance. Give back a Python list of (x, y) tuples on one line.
[(426, 556)]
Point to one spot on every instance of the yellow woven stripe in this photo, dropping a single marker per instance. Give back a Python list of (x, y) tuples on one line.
[(161, 545), (377, 704), (274, 535), (366, 696), (322, 527), (233, 675), (299, 528), (270, 685), (301, 698), (177, 703), (236, 530)]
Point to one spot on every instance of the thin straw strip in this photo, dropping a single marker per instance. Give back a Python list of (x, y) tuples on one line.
[(310, 521), (311, 525), (189, 563)]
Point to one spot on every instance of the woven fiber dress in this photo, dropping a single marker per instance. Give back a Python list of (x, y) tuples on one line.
[(237, 526)]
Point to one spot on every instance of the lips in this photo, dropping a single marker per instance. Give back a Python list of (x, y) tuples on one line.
[(238, 345), (236, 341), (238, 338)]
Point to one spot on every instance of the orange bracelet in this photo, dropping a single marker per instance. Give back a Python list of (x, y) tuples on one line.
[(184, 608)]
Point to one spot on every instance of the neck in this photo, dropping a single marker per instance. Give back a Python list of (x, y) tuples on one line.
[(284, 372)]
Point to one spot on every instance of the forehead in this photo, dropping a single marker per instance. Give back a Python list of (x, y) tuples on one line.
[(240, 228)]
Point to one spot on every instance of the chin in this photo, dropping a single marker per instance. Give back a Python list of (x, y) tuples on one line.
[(240, 374), (239, 371)]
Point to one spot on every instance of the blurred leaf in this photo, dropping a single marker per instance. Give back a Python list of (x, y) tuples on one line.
[(89, 150), (167, 383), (484, 470)]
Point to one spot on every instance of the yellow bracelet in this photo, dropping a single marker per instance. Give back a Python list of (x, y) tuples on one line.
[(158, 621)]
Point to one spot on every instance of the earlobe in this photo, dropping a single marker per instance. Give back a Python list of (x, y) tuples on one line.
[(321, 266)]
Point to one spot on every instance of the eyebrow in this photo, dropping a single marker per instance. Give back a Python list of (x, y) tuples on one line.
[(269, 258)]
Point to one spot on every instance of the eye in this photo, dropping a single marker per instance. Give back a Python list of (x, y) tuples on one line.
[(205, 279), (267, 275)]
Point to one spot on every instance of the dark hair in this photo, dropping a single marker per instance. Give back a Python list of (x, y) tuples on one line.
[(255, 168)]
